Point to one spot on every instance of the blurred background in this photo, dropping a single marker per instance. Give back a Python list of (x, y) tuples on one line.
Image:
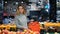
[(38, 9)]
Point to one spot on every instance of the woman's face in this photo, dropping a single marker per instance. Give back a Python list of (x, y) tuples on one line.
[(21, 9)]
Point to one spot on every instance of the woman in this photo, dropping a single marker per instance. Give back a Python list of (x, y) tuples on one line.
[(21, 18)]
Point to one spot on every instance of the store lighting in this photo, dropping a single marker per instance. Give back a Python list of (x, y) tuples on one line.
[(47, 10), (38, 2), (6, 2), (22, 2), (16, 2), (14, 9)]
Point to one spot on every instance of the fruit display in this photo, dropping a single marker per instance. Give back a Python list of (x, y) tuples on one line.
[(5, 31), (34, 26)]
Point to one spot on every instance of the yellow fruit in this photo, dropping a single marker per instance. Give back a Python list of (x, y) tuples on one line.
[(25, 30), (31, 32)]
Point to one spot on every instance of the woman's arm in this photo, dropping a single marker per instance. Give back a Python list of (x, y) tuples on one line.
[(17, 23)]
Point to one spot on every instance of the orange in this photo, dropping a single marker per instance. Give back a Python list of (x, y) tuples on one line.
[(34, 26)]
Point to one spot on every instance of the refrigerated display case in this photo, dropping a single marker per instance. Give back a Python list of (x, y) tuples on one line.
[(58, 10)]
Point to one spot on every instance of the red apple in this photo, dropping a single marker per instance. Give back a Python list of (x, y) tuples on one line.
[(5, 31), (0, 31), (11, 32), (18, 32), (14, 32)]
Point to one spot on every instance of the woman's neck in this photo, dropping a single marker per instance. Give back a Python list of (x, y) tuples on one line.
[(21, 14)]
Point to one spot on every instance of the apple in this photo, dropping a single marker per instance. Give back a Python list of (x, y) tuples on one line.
[(11, 32), (0, 32), (18, 32), (5, 31), (14, 32), (22, 33), (36, 33)]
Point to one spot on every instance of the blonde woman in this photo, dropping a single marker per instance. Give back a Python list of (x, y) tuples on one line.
[(21, 18)]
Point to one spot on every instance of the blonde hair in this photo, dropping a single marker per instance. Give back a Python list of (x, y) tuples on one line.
[(17, 11)]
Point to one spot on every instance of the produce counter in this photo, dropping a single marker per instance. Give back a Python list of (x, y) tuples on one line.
[(46, 25), (5, 31), (7, 26), (52, 24)]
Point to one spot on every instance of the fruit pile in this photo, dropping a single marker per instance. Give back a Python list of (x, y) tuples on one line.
[(18, 32), (34, 26)]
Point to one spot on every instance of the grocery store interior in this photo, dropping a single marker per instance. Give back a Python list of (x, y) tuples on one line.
[(45, 13)]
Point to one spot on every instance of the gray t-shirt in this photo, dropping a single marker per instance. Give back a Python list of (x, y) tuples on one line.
[(21, 21)]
